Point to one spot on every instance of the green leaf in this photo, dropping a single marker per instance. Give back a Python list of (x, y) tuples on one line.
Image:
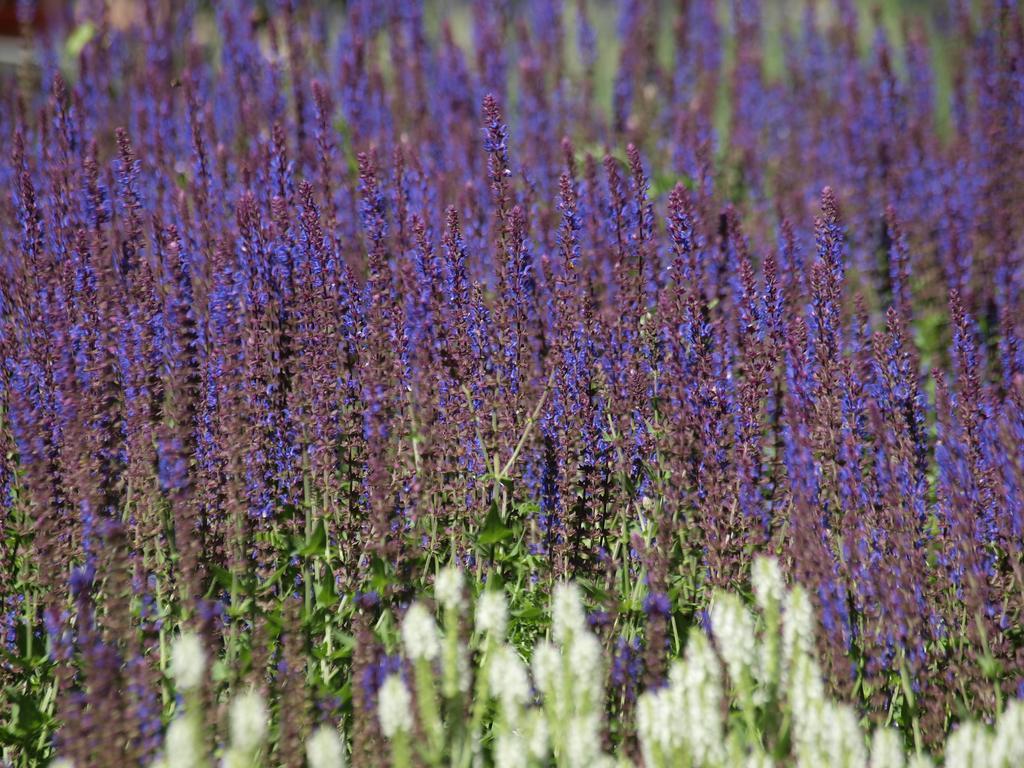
[(531, 613), (222, 576), (79, 38), (314, 544), (240, 609), (380, 578), (326, 596), (494, 530), (267, 586)]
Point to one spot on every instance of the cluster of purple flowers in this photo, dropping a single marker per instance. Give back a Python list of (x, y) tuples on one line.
[(339, 278)]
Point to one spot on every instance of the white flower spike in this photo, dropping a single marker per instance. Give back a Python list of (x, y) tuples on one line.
[(419, 634), (324, 749), (248, 721), (188, 662), (394, 707), (492, 614)]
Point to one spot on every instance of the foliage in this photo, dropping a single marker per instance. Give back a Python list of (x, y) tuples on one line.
[(301, 306)]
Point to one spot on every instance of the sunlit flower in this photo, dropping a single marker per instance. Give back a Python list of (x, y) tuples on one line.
[(547, 666), (394, 707), (769, 587), (188, 661), (492, 614), (567, 614), (510, 751), (508, 678), (419, 634), (733, 628), (324, 749), (181, 745), (248, 721), (448, 589), (887, 749)]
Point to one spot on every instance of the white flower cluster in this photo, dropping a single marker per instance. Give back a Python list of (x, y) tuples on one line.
[(182, 743), (419, 634), (681, 724), (820, 728), (492, 614), (769, 586), (1008, 740), (547, 667), (394, 707), (798, 628), (823, 732), (248, 722), (750, 664), (509, 680), (581, 740), (456, 676), (188, 662), (510, 751), (570, 675), (769, 594), (448, 589), (733, 628), (841, 739), (567, 673), (887, 749), (325, 749), (567, 616), (518, 747), (972, 745), (585, 658)]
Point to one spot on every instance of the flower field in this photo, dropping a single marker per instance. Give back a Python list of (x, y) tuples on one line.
[(513, 383)]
